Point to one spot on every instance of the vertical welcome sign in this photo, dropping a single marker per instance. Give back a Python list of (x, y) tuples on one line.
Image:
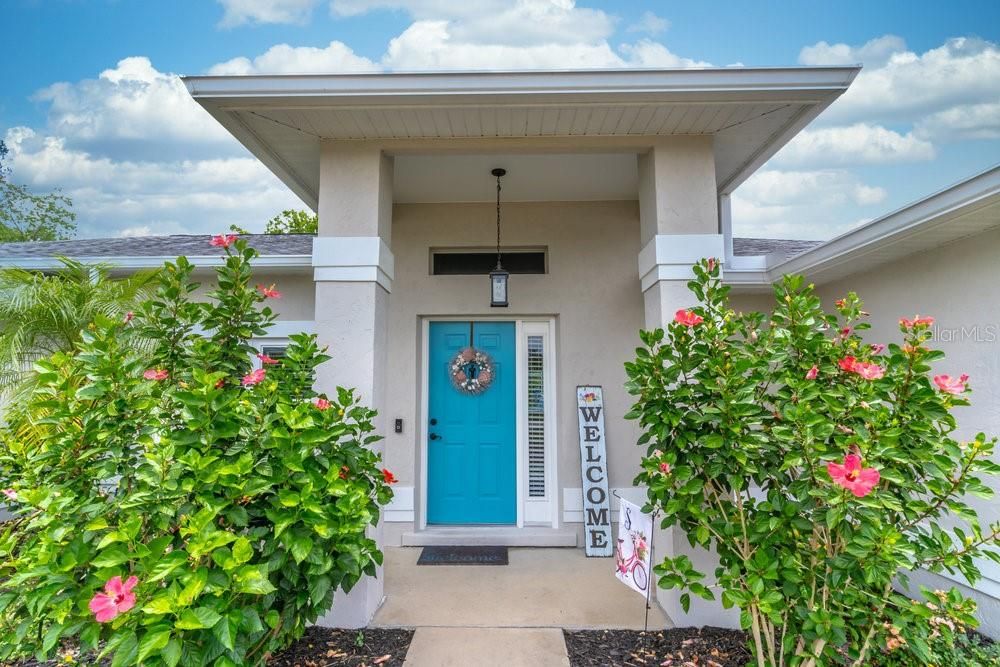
[(594, 467)]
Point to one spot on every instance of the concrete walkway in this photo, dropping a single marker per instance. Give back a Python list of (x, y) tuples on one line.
[(505, 615)]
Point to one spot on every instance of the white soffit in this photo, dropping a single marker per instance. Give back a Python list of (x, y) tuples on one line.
[(751, 112), (546, 177)]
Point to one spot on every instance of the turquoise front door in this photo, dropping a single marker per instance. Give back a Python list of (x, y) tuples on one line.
[(472, 438)]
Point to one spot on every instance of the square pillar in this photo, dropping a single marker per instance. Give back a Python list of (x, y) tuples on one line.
[(679, 225), (353, 272)]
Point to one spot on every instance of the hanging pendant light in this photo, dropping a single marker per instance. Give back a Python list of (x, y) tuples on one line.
[(498, 276)]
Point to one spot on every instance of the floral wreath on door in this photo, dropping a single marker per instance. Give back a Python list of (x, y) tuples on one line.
[(471, 371)]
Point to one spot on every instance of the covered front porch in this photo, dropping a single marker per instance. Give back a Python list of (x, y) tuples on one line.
[(616, 182)]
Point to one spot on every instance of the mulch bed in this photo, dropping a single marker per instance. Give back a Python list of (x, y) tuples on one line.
[(319, 647), (680, 647), (331, 647)]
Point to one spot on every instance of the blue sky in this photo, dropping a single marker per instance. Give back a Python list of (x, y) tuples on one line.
[(90, 101)]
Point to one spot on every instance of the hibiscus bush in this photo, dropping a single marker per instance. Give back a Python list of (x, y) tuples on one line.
[(818, 466), (176, 505)]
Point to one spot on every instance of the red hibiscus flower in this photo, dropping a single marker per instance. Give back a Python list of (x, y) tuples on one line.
[(950, 385), (321, 404), (254, 377), (847, 364), (388, 476), (223, 240), (266, 360), (688, 318), (117, 598), (839, 303), (917, 321), (852, 476), (269, 292), (344, 470), (812, 372), (156, 374), (220, 383)]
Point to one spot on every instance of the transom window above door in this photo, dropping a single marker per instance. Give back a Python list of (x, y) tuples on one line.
[(479, 261)]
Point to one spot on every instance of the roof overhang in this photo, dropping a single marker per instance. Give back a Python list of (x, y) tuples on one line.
[(751, 113), (966, 209)]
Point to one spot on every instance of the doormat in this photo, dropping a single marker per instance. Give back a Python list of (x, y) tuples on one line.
[(463, 556)]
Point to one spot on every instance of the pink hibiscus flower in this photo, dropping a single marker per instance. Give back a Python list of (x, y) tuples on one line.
[(10, 493), (269, 292), (711, 264), (877, 348), (688, 318), (852, 476), (917, 321), (117, 598), (223, 240), (868, 370), (266, 360), (812, 372), (254, 377), (128, 317), (322, 404), (156, 374), (665, 468), (840, 303), (950, 385)]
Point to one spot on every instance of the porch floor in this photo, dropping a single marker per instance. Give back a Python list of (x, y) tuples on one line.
[(540, 588)]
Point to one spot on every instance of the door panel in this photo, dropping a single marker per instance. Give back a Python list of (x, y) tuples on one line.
[(471, 464)]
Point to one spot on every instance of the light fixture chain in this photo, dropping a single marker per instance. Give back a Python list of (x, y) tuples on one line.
[(498, 223)]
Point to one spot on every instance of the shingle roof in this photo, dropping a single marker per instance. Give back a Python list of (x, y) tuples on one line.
[(154, 246), (194, 245), (787, 247)]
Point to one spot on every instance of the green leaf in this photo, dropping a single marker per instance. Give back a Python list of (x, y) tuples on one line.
[(155, 639), (171, 653), (127, 650), (301, 546), (112, 556), (164, 566), (197, 619), (242, 550), (225, 633)]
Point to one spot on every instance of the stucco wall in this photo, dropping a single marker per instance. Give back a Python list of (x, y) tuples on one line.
[(592, 289), (297, 292), (957, 284)]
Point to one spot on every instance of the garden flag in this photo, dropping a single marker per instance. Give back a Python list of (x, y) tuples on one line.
[(632, 550)]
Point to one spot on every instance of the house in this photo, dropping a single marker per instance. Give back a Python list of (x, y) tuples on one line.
[(615, 183)]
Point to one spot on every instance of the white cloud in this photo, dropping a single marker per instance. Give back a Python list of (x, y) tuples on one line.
[(860, 143), (133, 109), (801, 204), (873, 53), (968, 121), (525, 22), (909, 86), (114, 197), (239, 12), (285, 59), (650, 23), (138, 230)]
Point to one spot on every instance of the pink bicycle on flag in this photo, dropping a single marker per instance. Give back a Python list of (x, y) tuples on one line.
[(632, 566)]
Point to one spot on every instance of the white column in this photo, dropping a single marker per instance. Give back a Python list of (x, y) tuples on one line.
[(353, 272), (679, 223)]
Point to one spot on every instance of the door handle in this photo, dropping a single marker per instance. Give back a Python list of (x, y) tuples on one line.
[(434, 436)]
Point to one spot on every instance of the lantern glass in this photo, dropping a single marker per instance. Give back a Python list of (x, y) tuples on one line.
[(498, 288)]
